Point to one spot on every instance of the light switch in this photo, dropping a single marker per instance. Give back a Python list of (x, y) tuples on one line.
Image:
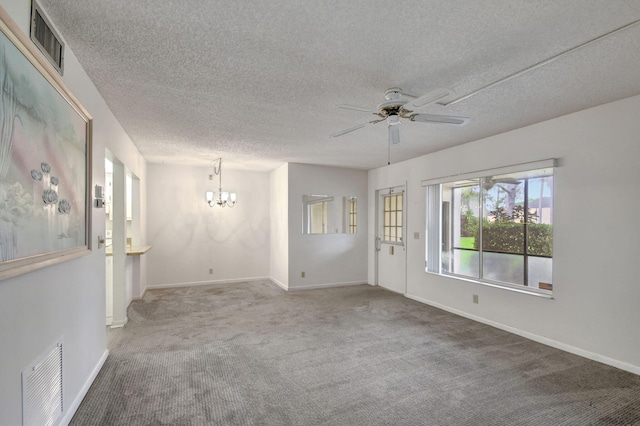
[(391, 250), (416, 235)]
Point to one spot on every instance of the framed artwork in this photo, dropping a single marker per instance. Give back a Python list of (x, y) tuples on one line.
[(45, 160)]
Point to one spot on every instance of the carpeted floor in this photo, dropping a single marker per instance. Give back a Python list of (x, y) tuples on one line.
[(252, 354)]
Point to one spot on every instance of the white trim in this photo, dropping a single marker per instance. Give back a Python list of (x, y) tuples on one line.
[(400, 292), (73, 407), (196, 283), (279, 284), (504, 286), (523, 167), (141, 296), (535, 337), (380, 193), (119, 324), (327, 285)]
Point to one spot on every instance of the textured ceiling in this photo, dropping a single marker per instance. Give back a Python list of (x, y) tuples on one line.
[(258, 82)]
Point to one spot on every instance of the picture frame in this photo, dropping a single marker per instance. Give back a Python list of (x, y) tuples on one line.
[(45, 160)]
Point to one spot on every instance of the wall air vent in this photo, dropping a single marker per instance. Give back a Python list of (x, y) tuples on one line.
[(42, 402), (45, 37)]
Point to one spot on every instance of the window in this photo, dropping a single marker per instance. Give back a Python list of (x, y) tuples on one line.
[(318, 217), (392, 228), (352, 203), (327, 214), (495, 228)]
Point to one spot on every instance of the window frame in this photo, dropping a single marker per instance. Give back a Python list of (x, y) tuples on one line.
[(434, 233)]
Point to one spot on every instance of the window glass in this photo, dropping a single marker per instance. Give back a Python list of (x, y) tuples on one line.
[(392, 231), (460, 229), (494, 228), (328, 214), (353, 209), (318, 217), (508, 268)]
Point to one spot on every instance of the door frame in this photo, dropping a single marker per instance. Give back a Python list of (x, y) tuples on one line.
[(379, 193)]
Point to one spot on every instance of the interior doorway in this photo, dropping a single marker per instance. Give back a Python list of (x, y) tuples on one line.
[(116, 292), (108, 198), (123, 237)]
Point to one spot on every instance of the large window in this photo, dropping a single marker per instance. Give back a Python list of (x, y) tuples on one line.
[(496, 228)]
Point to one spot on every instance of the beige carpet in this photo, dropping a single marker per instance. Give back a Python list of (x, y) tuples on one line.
[(252, 354)]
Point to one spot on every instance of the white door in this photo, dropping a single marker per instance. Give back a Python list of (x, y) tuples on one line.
[(391, 258)]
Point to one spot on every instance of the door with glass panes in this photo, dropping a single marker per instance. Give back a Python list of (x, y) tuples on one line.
[(391, 255)]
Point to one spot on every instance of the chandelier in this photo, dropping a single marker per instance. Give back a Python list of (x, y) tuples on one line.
[(225, 199)]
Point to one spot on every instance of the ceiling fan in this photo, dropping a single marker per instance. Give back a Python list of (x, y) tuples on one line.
[(397, 106)]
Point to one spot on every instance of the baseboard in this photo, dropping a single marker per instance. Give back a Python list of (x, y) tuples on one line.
[(141, 296), (535, 337), (71, 410), (279, 284), (327, 285), (197, 283), (119, 324)]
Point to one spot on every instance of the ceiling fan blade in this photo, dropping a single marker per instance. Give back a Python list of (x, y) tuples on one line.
[(394, 133), (351, 129), (355, 108), (424, 100), (443, 119)]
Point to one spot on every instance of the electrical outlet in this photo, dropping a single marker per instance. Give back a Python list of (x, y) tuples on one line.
[(302, 274), (210, 270), (416, 235), (210, 177), (475, 298)]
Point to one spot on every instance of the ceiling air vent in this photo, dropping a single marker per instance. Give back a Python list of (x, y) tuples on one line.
[(45, 37)]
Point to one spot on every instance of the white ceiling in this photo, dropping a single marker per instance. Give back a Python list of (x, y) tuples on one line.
[(258, 82)]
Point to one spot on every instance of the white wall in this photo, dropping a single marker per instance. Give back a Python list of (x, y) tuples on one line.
[(66, 300), (188, 237), (594, 311), (279, 225), (326, 259)]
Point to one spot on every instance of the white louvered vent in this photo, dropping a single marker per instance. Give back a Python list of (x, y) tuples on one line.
[(45, 37), (42, 402)]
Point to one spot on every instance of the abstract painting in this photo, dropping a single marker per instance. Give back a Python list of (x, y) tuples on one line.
[(45, 137)]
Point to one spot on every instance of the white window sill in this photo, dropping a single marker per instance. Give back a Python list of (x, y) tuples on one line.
[(513, 287)]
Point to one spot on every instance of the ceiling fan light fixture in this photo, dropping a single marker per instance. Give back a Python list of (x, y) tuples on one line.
[(393, 120), (394, 134)]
